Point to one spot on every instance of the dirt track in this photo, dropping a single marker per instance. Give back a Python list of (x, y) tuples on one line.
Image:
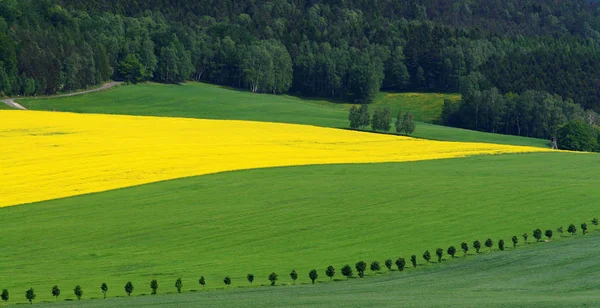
[(10, 101)]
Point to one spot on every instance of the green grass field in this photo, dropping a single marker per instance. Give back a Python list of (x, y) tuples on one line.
[(530, 276), (281, 219), (196, 100), (425, 107)]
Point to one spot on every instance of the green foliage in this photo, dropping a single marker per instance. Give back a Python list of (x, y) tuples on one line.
[(361, 266), (465, 248), (515, 241), (548, 234), (273, 278), (451, 251), (375, 267), (178, 285), (560, 230), (330, 272), (347, 271), (489, 243), (202, 281), (78, 291), (267, 67), (525, 236), (129, 288), (154, 286), (572, 229), (413, 260), (583, 228), (400, 264), (537, 234), (30, 295), (405, 124), (250, 278), (427, 256), (294, 276), (577, 136), (104, 288), (227, 280), (501, 245), (131, 68), (477, 245), (55, 291), (5, 295), (439, 252), (382, 119), (389, 263), (595, 221), (313, 275)]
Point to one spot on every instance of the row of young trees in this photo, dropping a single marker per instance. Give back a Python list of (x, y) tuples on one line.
[(381, 120), (347, 50), (347, 271)]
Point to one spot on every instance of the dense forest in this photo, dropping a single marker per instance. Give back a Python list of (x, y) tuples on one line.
[(343, 49)]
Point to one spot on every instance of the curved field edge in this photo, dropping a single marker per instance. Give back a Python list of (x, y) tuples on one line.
[(279, 219), (561, 273), (49, 155), (205, 101)]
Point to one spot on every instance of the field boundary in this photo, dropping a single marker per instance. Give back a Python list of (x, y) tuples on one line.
[(11, 103)]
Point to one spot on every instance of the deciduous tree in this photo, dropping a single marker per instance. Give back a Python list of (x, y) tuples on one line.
[(78, 291), (178, 285), (30, 295), (330, 272), (294, 276), (129, 288), (313, 275), (154, 286), (104, 288), (55, 291), (250, 278), (347, 271), (451, 251), (477, 245), (273, 278), (465, 247), (361, 266)]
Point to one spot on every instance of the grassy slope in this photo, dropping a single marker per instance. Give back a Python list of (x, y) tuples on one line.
[(279, 219), (534, 276), (425, 107), (197, 100)]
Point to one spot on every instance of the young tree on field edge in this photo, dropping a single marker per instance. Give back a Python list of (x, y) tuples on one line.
[(129, 288), (178, 285), (375, 267), (477, 245), (572, 229), (451, 251), (347, 271), (56, 291), (489, 243), (4, 295), (584, 228), (330, 272), (515, 241), (427, 256), (400, 263), (465, 247), (439, 252), (250, 278), (78, 291), (227, 281), (549, 234), (30, 295), (389, 263), (501, 245), (537, 234), (294, 276), (273, 278), (202, 282), (313, 275), (154, 286), (361, 266), (413, 260), (104, 288)]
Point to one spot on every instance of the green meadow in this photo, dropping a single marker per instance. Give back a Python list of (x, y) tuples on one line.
[(563, 273), (279, 219), (197, 100)]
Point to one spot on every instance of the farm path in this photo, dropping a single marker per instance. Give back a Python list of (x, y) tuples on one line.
[(11, 103)]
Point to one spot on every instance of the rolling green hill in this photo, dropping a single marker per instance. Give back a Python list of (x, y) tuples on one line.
[(197, 100), (558, 274), (281, 219)]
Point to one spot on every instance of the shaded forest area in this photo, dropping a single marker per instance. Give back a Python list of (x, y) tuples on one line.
[(342, 49)]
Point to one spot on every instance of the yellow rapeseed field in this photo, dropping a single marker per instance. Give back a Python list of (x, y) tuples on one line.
[(49, 155)]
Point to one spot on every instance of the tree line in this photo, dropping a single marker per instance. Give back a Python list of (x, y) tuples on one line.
[(360, 118), (537, 114), (347, 50), (346, 271)]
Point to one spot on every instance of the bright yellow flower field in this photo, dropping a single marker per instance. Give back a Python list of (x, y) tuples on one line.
[(49, 155)]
